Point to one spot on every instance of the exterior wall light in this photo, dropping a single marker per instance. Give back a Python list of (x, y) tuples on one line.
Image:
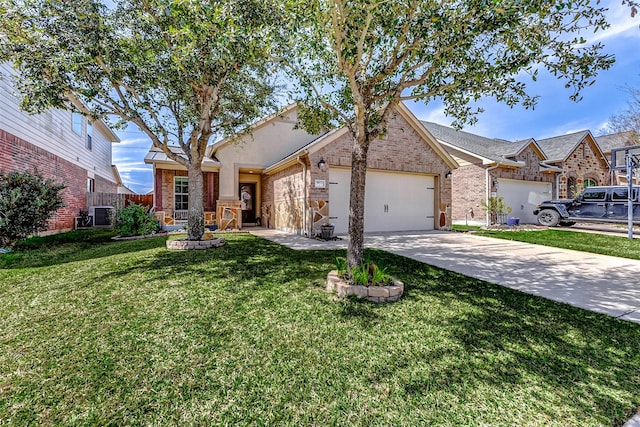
[(448, 174), (322, 165)]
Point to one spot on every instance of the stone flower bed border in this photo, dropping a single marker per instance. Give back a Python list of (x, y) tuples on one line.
[(187, 245), (387, 293)]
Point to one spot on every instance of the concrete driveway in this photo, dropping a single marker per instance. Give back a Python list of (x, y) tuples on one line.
[(599, 283)]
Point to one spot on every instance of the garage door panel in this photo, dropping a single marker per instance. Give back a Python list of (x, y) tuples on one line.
[(523, 196), (393, 201)]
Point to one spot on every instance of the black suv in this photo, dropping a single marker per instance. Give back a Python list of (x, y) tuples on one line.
[(601, 204)]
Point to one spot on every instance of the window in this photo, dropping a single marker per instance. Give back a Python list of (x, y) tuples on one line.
[(76, 124), (622, 194), (181, 192), (594, 194), (91, 185), (588, 182), (89, 135)]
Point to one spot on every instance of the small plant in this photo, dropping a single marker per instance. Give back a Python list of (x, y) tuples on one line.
[(366, 274), (497, 209), (379, 275), (341, 266), (135, 220)]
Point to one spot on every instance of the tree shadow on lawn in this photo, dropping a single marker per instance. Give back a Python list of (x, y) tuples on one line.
[(245, 260), (90, 249), (510, 339)]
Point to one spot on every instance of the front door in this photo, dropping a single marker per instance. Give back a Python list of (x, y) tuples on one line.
[(247, 201)]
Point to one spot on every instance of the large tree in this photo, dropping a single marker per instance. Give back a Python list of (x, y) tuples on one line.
[(629, 119), (357, 59), (182, 71)]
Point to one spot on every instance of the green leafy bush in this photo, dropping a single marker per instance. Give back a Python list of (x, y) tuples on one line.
[(135, 220), (27, 202)]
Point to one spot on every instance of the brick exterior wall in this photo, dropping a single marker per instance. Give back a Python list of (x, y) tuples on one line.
[(584, 163), (468, 192), (165, 203), (401, 149), (19, 155), (469, 184)]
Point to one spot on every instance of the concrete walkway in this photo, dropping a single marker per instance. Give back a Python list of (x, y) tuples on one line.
[(600, 283)]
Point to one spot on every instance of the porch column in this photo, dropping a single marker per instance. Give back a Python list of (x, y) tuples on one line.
[(158, 190)]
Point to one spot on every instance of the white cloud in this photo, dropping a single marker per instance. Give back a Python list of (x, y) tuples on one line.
[(621, 23)]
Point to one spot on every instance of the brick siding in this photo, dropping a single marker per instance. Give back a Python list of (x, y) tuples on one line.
[(401, 149), (19, 155), (469, 183), (583, 164)]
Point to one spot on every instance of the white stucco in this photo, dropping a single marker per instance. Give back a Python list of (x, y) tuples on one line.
[(272, 140)]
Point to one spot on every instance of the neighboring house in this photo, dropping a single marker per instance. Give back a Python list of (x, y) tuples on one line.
[(58, 144), (284, 178), (121, 188), (581, 160), (617, 140), (494, 168)]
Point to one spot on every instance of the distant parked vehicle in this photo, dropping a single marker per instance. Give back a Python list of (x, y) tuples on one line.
[(598, 204)]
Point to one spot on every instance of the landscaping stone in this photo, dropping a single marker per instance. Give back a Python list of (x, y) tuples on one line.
[(184, 244), (376, 294)]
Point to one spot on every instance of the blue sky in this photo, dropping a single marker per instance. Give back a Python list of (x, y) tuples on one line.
[(555, 114)]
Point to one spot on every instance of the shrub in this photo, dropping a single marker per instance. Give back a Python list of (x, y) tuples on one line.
[(27, 202), (135, 220)]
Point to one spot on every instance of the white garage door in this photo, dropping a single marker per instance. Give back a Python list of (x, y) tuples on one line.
[(523, 196), (393, 201)]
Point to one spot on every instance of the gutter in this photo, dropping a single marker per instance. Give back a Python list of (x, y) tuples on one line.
[(488, 192)]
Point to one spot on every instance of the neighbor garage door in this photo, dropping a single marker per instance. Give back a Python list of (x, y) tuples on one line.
[(393, 201), (523, 196)]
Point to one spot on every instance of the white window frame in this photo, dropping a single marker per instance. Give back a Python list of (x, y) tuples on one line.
[(181, 195)]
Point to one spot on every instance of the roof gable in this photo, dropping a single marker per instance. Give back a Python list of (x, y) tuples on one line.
[(489, 150), (335, 134), (559, 148)]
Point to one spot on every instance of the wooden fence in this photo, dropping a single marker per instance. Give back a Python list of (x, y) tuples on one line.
[(113, 199)]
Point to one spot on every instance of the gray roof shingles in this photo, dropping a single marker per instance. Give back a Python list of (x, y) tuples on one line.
[(559, 147), (492, 149)]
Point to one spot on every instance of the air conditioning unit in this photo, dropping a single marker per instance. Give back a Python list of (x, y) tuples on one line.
[(101, 215)]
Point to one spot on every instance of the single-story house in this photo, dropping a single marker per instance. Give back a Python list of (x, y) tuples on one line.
[(580, 159), (285, 178), (488, 167)]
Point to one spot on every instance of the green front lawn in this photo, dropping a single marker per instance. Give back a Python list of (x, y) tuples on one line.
[(618, 246), (129, 333)]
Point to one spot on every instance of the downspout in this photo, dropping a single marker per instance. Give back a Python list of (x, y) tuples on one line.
[(557, 186), (304, 197), (488, 193)]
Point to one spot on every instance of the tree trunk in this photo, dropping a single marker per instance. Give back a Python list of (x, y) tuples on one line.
[(355, 250), (195, 222)]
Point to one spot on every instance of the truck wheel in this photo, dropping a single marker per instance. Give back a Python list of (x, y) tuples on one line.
[(549, 217)]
